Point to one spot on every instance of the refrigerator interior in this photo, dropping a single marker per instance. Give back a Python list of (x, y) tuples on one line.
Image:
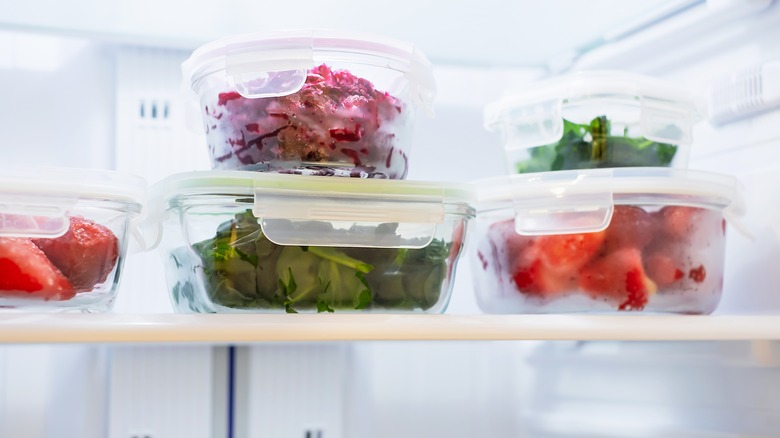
[(102, 90)]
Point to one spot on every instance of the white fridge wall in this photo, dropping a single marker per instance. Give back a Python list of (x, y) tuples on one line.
[(57, 106), (51, 392)]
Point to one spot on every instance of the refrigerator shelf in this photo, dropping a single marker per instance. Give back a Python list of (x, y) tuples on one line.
[(231, 329)]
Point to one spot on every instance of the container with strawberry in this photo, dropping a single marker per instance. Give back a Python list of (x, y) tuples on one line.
[(62, 237), (662, 249)]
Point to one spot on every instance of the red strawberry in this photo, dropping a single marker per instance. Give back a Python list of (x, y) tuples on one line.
[(537, 279), (519, 256), (630, 227), (663, 269), (86, 253), (567, 253), (619, 277), (26, 272), (677, 222)]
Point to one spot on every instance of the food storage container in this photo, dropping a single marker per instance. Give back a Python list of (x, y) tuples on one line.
[(310, 102), (602, 240), (237, 241), (594, 120), (64, 236)]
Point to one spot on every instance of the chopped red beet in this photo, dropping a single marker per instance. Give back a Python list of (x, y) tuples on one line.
[(224, 98), (334, 112)]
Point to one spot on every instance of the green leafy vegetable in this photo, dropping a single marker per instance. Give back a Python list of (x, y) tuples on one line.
[(593, 146), (242, 269)]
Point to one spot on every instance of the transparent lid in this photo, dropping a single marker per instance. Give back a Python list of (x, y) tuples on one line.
[(36, 202), (322, 211), (581, 201), (664, 113), (270, 64)]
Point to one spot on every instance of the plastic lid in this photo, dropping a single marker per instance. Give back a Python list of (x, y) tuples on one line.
[(537, 108), (294, 208), (583, 200), (283, 58), (35, 202)]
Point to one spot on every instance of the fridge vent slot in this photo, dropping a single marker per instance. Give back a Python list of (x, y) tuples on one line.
[(745, 93)]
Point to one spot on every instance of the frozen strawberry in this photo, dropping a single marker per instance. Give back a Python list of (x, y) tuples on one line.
[(618, 277), (537, 279), (26, 272), (510, 245), (568, 253), (698, 274), (85, 254), (677, 222), (630, 227), (663, 269)]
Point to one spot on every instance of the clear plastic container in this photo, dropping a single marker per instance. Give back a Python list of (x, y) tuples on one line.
[(310, 102), (64, 236), (599, 119), (603, 240), (237, 241)]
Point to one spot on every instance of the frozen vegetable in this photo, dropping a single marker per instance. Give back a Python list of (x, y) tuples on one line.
[(595, 146), (336, 124), (245, 270)]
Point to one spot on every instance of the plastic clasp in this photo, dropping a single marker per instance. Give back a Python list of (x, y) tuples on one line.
[(34, 219), (666, 123), (563, 202), (527, 126), (280, 72), (320, 219)]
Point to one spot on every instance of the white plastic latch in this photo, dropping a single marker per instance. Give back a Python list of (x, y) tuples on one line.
[(532, 125), (563, 202), (319, 219), (34, 218), (280, 72)]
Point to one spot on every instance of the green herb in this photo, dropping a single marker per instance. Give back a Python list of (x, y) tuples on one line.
[(593, 146)]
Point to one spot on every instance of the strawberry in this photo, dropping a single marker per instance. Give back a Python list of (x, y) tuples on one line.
[(567, 253), (618, 277), (677, 222), (86, 253), (630, 227), (534, 278), (663, 269), (26, 272)]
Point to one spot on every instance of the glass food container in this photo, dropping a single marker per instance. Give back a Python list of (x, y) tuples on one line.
[(311, 102), (251, 242), (596, 119), (63, 237), (603, 240)]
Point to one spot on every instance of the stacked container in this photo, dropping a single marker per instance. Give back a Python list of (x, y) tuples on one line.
[(309, 134), (603, 215)]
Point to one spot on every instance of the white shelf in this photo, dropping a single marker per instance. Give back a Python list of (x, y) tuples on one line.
[(168, 328)]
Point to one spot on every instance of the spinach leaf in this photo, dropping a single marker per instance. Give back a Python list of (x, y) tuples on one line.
[(593, 146), (242, 269)]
